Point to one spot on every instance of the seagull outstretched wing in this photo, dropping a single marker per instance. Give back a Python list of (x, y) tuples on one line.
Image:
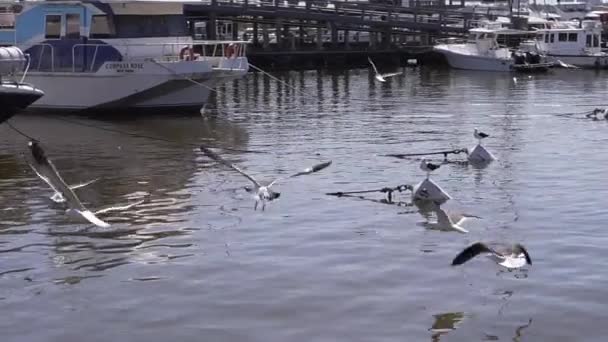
[(307, 171), (471, 252), (392, 74), (373, 65), (221, 160), (118, 207)]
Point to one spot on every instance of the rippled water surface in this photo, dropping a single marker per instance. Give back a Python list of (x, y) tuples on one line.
[(195, 262)]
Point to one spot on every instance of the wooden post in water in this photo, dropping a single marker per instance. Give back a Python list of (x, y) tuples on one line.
[(235, 31), (346, 40), (265, 36), (319, 37), (334, 35), (279, 31), (212, 26), (256, 41)]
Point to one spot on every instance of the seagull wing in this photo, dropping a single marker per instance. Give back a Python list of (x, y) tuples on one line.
[(307, 171), (470, 252), (118, 208), (221, 160), (373, 65), (82, 185), (44, 178), (313, 169), (89, 216), (392, 74)]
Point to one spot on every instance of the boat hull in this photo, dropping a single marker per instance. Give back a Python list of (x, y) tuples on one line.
[(174, 86), (588, 62), (15, 97), (472, 62)]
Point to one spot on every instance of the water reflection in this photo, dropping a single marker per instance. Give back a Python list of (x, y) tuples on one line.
[(444, 323)]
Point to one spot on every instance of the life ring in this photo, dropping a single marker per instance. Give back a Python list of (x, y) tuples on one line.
[(182, 54), (232, 50)]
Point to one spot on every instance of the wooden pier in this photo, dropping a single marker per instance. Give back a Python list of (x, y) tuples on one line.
[(313, 33)]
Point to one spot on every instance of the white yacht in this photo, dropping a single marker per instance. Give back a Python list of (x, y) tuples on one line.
[(573, 43), (117, 54), (481, 51)]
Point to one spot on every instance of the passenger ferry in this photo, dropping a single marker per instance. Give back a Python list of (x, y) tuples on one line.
[(117, 55)]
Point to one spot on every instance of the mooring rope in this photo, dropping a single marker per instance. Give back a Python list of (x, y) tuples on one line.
[(444, 153), (150, 137), (20, 132), (387, 190)]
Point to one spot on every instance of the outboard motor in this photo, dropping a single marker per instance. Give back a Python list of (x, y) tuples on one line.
[(519, 58)]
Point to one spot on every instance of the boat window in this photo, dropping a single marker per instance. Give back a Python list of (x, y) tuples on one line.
[(53, 26), (7, 19), (72, 25), (101, 27), (596, 40), (589, 40), (546, 38), (137, 26), (572, 37), (563, 37), (552, 37)]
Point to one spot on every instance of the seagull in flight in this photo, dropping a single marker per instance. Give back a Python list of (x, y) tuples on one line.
[(45, 170), (598, 111), (512, 257), (445, 222), (262, 191), (479, 135), (381, 77), (428, 167)]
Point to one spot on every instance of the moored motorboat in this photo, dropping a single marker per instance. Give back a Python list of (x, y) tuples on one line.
[(572, 44), (481, 51), (15, 95)]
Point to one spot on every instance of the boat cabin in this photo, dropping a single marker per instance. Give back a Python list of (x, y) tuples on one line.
[(571, 40), (82, 35)]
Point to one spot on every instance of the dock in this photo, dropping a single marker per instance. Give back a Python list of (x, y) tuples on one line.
[(312, 33)]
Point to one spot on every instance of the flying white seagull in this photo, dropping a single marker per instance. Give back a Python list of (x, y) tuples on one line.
[(512, 257), (45, 169), (445, 222), (428, 167), (262, 191), (57, 197), (479, 135), (381, 77)]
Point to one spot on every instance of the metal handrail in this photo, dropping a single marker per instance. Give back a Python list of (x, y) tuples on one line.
[(42, 49), (215, 43)]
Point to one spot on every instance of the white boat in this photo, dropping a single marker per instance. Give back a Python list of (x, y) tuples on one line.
[(117, 55), (573, 43), (482, 52), (14, 94)]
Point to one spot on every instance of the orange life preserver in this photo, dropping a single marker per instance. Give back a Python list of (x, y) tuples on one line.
[(182, 54), (232, 51)]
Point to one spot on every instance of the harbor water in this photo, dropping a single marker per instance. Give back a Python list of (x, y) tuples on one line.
[(195, 262)]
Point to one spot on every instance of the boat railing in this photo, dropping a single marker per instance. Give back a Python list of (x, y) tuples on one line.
[(212, 51), (42, 55), (451, 40)]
